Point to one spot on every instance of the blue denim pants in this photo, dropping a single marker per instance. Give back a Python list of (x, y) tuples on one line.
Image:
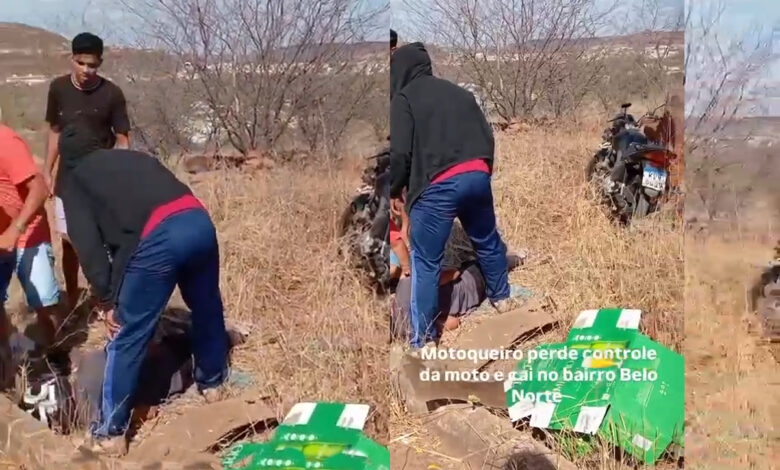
[(181, 250), (468, 197)]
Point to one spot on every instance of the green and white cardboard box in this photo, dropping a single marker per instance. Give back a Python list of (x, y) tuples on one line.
[(314, 435), (635, 401)]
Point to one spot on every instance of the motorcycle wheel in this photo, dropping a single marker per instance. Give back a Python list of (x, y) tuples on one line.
[(355, 205), (642, 205), (590, 168)]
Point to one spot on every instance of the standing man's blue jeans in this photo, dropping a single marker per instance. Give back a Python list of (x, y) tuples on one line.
[(181, 250), (468, 197)]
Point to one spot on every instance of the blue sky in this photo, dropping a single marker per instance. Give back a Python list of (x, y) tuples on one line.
[(742, 15), (400, 18), (66, 15)]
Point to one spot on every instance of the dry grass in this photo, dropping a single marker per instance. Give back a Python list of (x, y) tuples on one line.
[(732, 381), (544, 205), (317, 333), (579, 258)]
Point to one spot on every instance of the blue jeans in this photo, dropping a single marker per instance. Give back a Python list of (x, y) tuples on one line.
[(181, 250), (34, 265), (468, 197)]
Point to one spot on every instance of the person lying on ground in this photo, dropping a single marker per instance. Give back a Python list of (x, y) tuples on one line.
[(442, 156), (83, 96), (460, 291), (166, 371), (25, 238), (159, 236)]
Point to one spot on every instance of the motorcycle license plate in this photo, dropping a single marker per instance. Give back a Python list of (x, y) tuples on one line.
[(654, 178)]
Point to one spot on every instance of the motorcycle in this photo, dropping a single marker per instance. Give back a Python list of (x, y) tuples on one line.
[(364, 226), (766, 297), (640, 167)]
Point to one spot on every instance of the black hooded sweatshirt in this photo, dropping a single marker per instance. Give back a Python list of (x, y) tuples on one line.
[(108, 196), (434, 124)]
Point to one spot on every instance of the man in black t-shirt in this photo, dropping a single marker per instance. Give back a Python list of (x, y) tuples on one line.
[(97, 104)]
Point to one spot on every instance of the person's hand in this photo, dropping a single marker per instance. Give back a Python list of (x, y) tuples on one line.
[(9, 238), (49, 182), (111, 322), (406, 237), (397, 207), (406, 271)]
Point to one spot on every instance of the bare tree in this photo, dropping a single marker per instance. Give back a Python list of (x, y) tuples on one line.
[(375, 112), (327, 112), (656, 58), (520, 52), (257, 63), (95, 16), (719, 75)]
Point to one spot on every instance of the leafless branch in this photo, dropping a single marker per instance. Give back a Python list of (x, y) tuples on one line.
[(258, 64)]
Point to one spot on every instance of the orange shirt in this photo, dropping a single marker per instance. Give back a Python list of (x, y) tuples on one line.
[(395, 231), (16, 167)]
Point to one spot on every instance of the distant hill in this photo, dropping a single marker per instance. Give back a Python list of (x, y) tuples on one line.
[(28, 53), (356, 51), (643, 38), (27, 50), (647, 38), (22, 37)]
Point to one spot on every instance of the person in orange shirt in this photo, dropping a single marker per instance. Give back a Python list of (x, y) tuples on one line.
[(399, 251), (25, 238)]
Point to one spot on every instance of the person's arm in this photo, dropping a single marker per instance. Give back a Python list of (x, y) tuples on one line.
[(21, 170), (37, 193), (400, 250), (53, 137), (120, 121), (85, 235), (448, 275), (405, 226), (401, 136)]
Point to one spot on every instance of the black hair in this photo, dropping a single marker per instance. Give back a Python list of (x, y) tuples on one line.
[(393, 38), (87, 43)]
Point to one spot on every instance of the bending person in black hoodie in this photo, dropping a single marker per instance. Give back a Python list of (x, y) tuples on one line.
[(441, 161), (127, 205)]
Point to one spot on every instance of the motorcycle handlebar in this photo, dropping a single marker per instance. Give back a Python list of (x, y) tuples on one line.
[(647, 114), (378, 155)]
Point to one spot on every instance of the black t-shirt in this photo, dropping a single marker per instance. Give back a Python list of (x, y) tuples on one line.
[(102, 109)]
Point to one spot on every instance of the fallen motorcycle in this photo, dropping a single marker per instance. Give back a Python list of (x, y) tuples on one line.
[(630, 170), (765, 297), (364, 227)]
